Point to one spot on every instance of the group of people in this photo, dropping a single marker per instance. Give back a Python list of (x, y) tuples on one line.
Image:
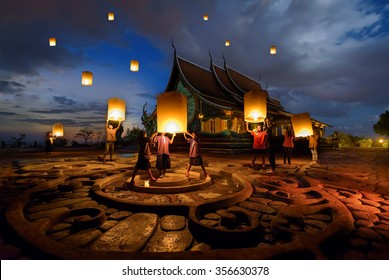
[(162, 142), (264, 144)]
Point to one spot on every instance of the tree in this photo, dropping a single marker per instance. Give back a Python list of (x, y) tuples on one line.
[(382, 125), (18, 142), (86, 133)]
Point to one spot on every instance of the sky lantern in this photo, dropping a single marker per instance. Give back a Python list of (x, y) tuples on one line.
[(116, 109), (111, 16), (52, 42), (205, 17), (134, 65), (57, 130), (87, 78), (255, 106), (302, 125), (227, 43), (172, 113), (273, 50)]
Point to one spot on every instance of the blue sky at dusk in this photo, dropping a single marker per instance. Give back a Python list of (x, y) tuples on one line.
[(332, 57)]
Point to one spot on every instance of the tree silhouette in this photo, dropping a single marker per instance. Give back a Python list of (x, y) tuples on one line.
[(86, 133), (382, 125)]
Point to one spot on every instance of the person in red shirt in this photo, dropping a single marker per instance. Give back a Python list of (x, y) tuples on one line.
[(288, 144), (259, 144)]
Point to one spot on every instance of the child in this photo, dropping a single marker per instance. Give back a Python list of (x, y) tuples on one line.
[(259, 144), (163, 156), (144, 154), (194, 152)]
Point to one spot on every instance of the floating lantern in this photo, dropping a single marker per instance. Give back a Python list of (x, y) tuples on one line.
[(302, 125), (111, 16), (227, 43), (172, 113), (255, 106), (87, 78), (273, 50), (134, 65), (57, 130), (116, 109), (52, 42), (205, 17)]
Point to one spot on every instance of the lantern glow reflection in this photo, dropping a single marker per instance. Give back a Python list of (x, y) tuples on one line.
[(172, 113), (116, 109), (255, 106), (302, 125), (57, 130)]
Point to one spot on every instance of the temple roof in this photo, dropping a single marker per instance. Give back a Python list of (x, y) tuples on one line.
[(220, 87)]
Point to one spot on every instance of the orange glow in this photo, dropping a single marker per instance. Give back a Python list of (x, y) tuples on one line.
[(302, 125), (172, 113), (116, 109), (255, 106), (87, 78), (134, 66), (57, 130), (52, 42), (111, 16), (273, 50)]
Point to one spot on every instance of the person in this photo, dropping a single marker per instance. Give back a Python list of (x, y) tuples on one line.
[(288, 144), (259, 144), (110, 140), (271, 145), (195, 157), (144, 155), (163, 156), (48, 142), (313, 145)]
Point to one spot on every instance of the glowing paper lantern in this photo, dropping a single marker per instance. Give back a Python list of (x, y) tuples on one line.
[(116, 109), (255, 106), (227, 43), (205, 17), (172, 115), (273, 50), (87, 78), (57, 130), (134, 65), (302, 125), (111, 16), (52, 42)]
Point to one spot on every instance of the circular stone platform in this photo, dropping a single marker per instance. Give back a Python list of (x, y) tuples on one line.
[(79, 210), (170, 183)]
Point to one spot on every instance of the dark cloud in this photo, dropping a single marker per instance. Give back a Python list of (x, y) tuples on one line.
[(10, 87), (63, 100)]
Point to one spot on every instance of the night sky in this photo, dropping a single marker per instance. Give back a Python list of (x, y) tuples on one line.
[(332, 57)]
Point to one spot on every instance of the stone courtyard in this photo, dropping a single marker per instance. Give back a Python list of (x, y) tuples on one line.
[(69, 205)]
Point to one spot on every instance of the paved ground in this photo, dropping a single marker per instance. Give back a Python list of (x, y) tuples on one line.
[(68, 205)]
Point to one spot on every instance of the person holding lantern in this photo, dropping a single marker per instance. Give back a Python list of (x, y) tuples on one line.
[(271, 144), (110, 140), (259, 144), (195, 157), (48, 142), (163, 156), (313, 145), (144, 155), (288, 144)]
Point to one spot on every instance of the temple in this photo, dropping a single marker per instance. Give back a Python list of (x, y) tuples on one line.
[(215, 103)]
